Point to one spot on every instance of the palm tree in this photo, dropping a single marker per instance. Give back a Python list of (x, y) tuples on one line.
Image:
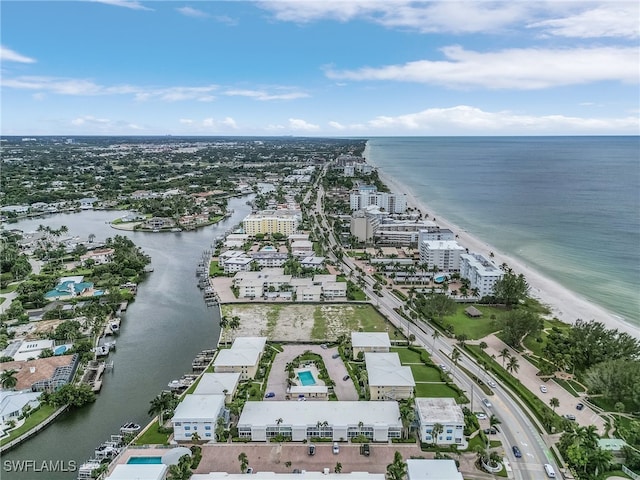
[(161, 403), (483, 345), (513, 365), (338, 468), (8, 379), (437, 429), (181, 471), (504, 354), (407, 416), (244, 462), (554, 402), (600, 460), (398, 469), (455, 357), (435, 335), (494, 421)]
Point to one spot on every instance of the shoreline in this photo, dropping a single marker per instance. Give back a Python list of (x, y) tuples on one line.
[(565, 305)]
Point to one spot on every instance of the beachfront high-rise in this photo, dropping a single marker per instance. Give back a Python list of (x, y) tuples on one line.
[(444, 254), (367, 195), (481, 273), (271, 221)]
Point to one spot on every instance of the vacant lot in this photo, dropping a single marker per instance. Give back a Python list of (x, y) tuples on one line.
[(302, 322)]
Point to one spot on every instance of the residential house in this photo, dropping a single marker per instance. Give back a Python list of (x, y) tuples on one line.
[(444, 411)]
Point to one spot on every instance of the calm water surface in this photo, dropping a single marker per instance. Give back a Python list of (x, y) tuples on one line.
[(162, 331)]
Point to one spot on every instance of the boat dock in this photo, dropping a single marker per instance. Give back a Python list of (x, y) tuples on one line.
[(202, 361), (93, 375)]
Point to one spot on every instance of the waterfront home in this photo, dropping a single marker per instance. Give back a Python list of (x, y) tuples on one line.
[(387, 378), (441, 469), (218, 384), (447, 413), (243, 357), (70, 287), (31, 349), (198, 414), (12, 404), (442, 254), (339, 421), (43, 374), (100, 256), (369, 342)]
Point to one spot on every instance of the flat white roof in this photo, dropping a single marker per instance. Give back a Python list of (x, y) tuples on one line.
[(217, 383), (199, 407), (310, 413), (250, 342), (236, 357), (439, 410), (443, 245), (385, 369), (325, 278), (290, 476), (138, 472), (370, 339), (428, 469)]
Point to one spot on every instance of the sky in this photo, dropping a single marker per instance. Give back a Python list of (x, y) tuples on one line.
[(320, 68)]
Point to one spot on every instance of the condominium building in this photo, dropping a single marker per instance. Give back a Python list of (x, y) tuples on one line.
[(445, 412), (481, 273), (197, 414), (444, 254), (389, 202), (243, 357), (369, 342), (271, 221), (387, 378)]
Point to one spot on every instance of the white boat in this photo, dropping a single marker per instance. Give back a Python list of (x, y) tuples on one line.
[(115, 326), (101, 350), (86, 469), (129, 427)]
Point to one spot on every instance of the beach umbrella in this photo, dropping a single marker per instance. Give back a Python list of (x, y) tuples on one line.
[(172, 457)]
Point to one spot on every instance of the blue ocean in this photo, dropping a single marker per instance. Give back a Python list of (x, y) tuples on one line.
[(569, 207)]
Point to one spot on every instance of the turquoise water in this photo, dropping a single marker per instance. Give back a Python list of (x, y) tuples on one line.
[(306, 378), (567, 206), (60, 350), (144, 460)]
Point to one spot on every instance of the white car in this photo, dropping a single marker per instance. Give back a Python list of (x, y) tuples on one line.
[(492, 384), (481, 416), (443, 367), (543, 388), (486, 402), (336, 448)]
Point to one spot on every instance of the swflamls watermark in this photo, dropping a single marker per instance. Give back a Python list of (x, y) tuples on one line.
[(40, 466)]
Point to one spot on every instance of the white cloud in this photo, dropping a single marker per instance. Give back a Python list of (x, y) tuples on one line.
[(518, 68), (299, 124), (217, 125), (613, 19), (89, 119), (132, 4), (84, 87), (229, 122), (186, 121), (192, 12), (8, 55), (466, 119), (265, 96)]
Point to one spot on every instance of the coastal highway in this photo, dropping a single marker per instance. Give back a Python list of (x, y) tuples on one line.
[(516, 427)]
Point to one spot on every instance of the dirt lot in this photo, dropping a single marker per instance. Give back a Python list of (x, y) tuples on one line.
[(301, 322)]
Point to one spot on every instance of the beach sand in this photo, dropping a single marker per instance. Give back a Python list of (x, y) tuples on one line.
[(564, 304)]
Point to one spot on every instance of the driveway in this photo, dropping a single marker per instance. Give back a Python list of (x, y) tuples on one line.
[(277, 382)]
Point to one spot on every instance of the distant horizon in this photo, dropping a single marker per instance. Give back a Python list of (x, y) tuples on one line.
[(352, 68), (354, 137)]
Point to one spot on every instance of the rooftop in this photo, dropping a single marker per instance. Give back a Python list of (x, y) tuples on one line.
[(439, 410)]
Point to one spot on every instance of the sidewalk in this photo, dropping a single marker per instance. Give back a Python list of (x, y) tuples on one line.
[(527, 376)]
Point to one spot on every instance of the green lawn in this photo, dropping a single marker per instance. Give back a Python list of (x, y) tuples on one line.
[(153, 437), (34, 419), (406, 355), (2, 300), (438, 390), (215, 270), (422, 373), (10, 288), (474, 328)]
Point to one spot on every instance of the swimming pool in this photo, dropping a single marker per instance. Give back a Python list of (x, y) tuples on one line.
[(60, 350), (306, 378), (144, 460), (440, 278)]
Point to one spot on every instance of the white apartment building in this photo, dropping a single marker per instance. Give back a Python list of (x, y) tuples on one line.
[(378, 421), (445, 254), (197, 413), (389, 202), (447, 413), (481, 273), (431, 469), (387, 378), (434, 233), (243, 357), (271, 221), (369, 342)]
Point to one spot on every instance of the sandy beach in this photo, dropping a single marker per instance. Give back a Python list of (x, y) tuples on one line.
[(564, 304)]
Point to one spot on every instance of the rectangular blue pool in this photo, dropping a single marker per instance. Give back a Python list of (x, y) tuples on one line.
[(306, 378), (144, 460)]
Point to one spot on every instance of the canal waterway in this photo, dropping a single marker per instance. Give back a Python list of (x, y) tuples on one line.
[(166, 326)]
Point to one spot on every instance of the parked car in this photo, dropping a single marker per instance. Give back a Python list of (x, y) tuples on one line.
[(312, 449), (486, 402), (346, 377), (481, 416), (569, 416), (543, 388), (580, 406), (335, 355), (491, 431), (364, 449), (323, 346), (336, 448), (516, 451), (270, 395)]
